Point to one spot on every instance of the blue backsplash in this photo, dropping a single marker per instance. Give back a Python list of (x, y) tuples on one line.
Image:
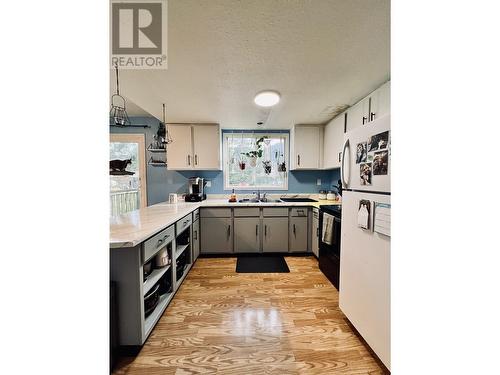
[(161, 181)]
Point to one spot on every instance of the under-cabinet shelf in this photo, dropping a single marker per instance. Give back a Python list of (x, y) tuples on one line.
[(186, 271), (153, 278), (180, 249), (151, 320)]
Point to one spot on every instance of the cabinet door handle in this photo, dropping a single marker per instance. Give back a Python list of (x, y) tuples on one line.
[(189, 159), (229, 231), (372, 116), (257, 230), (364, 119), (265, 230), (298, 159), (195, 235), (317, 232), (340, 156), (195, 159), (294, 231)]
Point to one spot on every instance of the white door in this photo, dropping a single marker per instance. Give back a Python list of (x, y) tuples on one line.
[(357, 115), (179, 152), (333, 141), (380, 102), (128, 179), (373, 174), (206, 144), (307, 147), (365, 275)]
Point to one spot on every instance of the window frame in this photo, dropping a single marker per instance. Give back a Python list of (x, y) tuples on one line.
[(256, 134)]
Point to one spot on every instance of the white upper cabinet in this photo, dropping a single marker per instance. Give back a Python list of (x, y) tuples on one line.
[(357, 115), (194, 147), (373, 106), (206, 146), (380, 104), (307, 147), (333, 142), (180, 150)]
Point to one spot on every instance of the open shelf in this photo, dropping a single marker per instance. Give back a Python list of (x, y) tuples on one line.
[(180, 249), (151, 320), (153, 278), (179, 282)]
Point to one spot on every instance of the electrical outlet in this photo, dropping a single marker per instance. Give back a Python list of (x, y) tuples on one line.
[(209, 183), (318, 182)]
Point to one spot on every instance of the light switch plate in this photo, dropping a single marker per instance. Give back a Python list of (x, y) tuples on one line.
[(318, 182), (209, 183)]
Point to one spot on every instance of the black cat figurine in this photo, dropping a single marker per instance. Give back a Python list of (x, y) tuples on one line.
[(119, 165)]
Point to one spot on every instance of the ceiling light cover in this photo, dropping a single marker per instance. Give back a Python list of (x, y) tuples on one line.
[(267, 98)]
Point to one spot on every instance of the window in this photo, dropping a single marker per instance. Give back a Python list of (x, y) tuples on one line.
[(255, 160), (127, 187)]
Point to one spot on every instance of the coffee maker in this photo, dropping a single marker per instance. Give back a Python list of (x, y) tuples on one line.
[(196, 190)]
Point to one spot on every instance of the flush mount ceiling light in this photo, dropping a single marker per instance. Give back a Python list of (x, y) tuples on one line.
[(267, 98)]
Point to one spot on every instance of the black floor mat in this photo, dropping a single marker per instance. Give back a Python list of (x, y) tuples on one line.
[(261, 264)]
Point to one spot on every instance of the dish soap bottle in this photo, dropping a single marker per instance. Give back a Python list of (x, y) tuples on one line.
[(233, 197)]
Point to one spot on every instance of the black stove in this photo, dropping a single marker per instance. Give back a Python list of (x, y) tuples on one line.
[(332, 209), (329, 246)]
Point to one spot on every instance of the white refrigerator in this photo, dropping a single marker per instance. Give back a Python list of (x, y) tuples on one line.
[(365, 234)]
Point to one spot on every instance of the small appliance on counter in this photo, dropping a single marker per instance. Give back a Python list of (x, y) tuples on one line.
[(196, 190), (322, 195), (331, 195)]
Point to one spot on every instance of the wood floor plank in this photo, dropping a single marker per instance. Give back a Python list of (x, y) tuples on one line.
[(222, 322)]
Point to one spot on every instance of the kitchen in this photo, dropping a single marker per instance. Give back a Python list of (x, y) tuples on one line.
[(250, 187), (240, 194)]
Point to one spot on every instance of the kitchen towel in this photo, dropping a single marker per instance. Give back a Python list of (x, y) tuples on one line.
[(327, 231)]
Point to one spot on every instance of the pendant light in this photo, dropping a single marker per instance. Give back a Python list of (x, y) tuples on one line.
[(118, 115)]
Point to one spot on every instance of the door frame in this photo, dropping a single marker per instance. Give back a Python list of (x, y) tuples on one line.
[(140, 139)]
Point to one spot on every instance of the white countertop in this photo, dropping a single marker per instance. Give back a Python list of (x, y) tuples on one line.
[(134, 227)]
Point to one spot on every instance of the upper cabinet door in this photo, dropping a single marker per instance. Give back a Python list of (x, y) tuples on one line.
[(333, 142), (206, 147), (179, 152), (307, 147), (358, 114), (380, 101)]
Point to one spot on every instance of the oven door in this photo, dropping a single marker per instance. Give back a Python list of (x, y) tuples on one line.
[(334, 247), (329, 254)]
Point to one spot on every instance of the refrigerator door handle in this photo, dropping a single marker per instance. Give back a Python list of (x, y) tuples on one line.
[(344, 182)]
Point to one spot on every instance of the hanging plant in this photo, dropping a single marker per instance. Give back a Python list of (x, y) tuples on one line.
[(253, 155)]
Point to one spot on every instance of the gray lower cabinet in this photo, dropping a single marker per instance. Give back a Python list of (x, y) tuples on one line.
[(196, 239), (298, 234), (247, 234), (216, 235), (315, 233), (275, 237)]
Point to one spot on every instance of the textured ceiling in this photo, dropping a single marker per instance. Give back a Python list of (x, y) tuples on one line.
[(318, 54)]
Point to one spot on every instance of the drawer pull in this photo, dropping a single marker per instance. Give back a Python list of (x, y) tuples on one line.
[(160, 241)]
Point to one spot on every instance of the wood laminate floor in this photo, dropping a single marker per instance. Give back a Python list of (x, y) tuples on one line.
[(221, 322)]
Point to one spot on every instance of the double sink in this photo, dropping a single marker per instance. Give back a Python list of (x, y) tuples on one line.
[(281, 200)]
